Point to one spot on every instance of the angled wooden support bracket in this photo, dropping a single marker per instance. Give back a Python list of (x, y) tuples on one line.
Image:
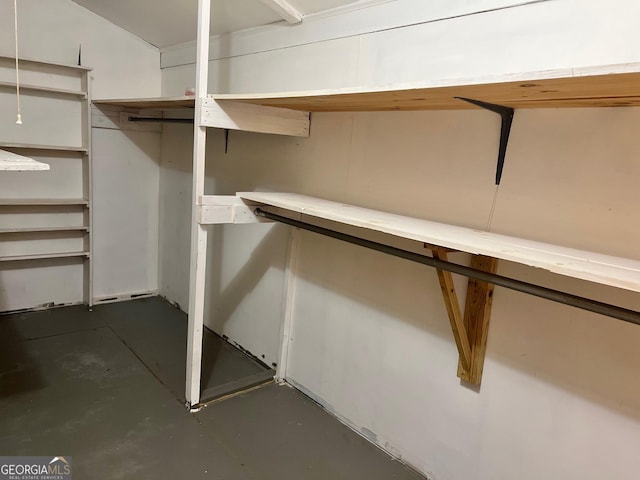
[(453, 309), (470, 331)]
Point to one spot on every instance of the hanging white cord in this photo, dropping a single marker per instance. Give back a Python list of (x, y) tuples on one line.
[(15, 25), (493, 208)]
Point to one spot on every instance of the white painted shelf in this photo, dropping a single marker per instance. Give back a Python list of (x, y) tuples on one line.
[(43, 229), (152, 103), (600, 86), (43, 201), (34, 146), (49, 90), (70, 86), (594, 267), (12, 162), (43, 256), (25, 62)]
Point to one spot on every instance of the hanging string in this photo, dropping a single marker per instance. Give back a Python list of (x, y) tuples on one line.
[(15, 25), (493, 208)]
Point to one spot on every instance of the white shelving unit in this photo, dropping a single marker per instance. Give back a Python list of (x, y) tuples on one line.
[(288, 114), (52, 82)]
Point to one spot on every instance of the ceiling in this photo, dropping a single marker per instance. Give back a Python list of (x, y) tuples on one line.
[(169, 22)]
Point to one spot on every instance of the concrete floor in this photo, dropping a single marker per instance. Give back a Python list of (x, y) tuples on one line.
[(106, 388)]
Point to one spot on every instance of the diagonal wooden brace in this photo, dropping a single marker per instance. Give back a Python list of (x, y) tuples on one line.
[(477, 312), (470, 332), (453, 309)]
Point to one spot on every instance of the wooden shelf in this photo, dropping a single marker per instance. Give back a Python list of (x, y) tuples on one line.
[(34, 146), (43, 256), (45, 202), (594, 267), (607, 86), (156, 103), (36, 88), (43, 230)]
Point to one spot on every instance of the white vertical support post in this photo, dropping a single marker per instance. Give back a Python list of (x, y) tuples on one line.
[(87, 187), (198, 232), (290, 284)]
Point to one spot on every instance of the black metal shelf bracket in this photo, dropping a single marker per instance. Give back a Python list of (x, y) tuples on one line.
[(506, 113)]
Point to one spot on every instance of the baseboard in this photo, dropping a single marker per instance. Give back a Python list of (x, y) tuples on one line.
[(40, 308), (123, 297)]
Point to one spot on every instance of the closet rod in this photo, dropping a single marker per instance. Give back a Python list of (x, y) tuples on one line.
[(558, 296), (160, 120)]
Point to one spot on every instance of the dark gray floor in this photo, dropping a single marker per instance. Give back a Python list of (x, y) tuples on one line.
[(153, 330), (106, 388)]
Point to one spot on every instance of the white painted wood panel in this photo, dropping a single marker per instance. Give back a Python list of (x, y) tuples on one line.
[(48, 121), (337, 60), (355, 20), (27, 216), (64, 178), (42, 74), (126, 183), (17, 244), (33, 287), (254, 118), (123, 65)]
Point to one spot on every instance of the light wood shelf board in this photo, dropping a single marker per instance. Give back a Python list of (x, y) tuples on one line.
[(608, 86), (155, 103), (594, 267)]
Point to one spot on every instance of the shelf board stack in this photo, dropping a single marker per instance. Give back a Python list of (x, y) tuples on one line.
[(46, 233)]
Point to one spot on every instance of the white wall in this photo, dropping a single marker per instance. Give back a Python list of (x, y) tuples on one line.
[(53, 31), (126, 164), (127, 180), (371, 339)]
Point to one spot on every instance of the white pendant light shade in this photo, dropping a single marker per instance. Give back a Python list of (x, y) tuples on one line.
[(17, 163)]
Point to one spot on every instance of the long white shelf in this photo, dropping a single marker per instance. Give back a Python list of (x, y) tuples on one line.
[(599, 86), (43, 202), (49, 90), (43, 256), (11, 162), (36, 146), (43, 230), (25, 62), (594, 267), (151, 103)]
